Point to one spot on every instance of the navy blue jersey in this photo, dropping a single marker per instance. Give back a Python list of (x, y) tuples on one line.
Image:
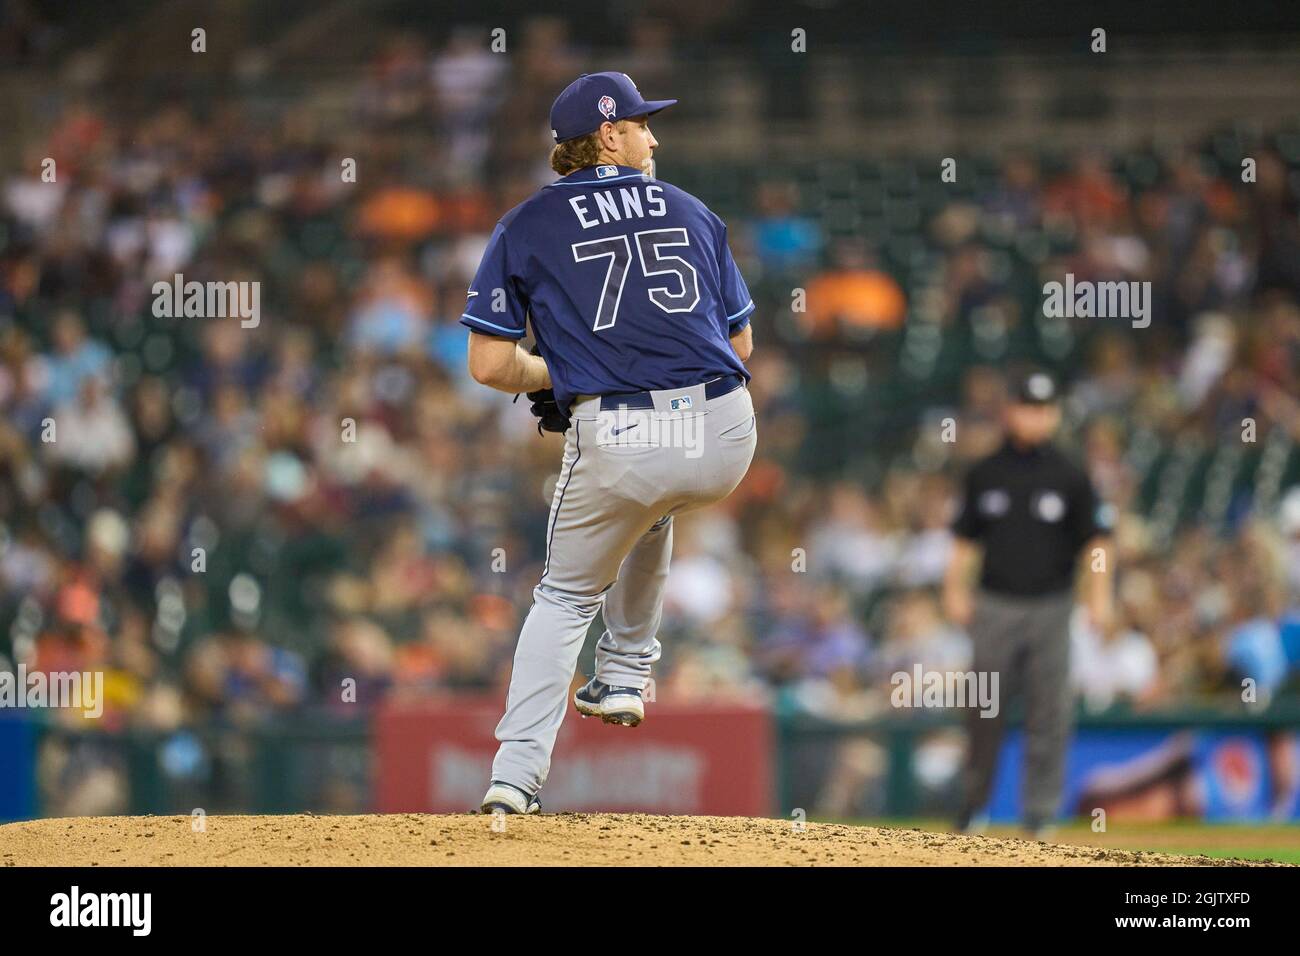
[(628, 282)]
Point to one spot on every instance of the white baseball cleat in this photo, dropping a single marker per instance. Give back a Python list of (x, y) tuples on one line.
[(613, 705), (507, 798)]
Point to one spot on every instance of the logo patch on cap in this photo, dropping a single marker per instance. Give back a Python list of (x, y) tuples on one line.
[(607, 107)]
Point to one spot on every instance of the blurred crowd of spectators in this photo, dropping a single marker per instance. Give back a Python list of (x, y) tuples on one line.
[(324, 509)]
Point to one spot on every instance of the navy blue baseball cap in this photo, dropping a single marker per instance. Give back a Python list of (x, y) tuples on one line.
[(595, 98)]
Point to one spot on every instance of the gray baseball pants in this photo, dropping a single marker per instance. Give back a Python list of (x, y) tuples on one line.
[(1026, 640), (625, 473)]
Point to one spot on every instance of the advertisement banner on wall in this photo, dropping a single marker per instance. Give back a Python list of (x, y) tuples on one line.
[(1153, 775), (436, 756), (17, 768)]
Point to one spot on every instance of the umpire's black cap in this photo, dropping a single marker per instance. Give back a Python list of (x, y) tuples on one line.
[(1034, 387)]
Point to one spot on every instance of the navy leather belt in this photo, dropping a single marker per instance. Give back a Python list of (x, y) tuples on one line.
[(714, 389)]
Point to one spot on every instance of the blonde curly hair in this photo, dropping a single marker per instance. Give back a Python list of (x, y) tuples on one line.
[(578, 153)]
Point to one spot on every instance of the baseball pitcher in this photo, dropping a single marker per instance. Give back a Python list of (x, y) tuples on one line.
[(641, 320)]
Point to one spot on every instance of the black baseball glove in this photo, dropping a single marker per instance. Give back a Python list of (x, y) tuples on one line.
[(546, 409)]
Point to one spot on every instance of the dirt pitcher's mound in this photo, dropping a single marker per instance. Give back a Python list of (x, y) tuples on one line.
[(416, 839)]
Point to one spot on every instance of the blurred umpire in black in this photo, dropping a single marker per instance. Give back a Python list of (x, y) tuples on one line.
[(1032, 512)]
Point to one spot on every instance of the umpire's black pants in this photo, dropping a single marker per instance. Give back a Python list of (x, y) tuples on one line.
[(1026, 641)]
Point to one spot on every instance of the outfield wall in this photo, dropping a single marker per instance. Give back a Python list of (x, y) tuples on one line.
[(436, 755)]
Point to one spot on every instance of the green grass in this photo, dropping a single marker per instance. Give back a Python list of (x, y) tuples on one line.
[(1266, 841)]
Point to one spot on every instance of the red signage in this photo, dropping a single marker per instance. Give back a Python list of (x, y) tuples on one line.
[(436, 756)]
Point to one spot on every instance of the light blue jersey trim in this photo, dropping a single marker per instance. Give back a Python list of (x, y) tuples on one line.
[(742, 313), (513, 333), (597, 182)]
